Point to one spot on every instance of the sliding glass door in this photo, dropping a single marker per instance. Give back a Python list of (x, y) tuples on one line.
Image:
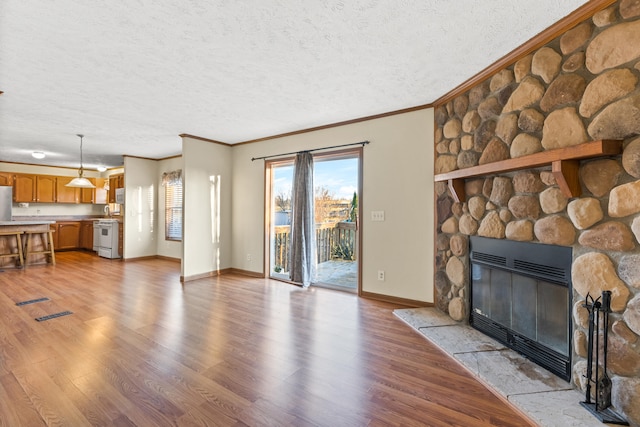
[(337, 210)]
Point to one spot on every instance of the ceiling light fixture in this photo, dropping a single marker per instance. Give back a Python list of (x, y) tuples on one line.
[(80, 181), (38, 155), (102, 168)]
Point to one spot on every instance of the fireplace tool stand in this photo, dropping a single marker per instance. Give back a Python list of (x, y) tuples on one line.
[(601, 408)]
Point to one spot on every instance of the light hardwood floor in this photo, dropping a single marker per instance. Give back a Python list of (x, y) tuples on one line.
[(142, 349)]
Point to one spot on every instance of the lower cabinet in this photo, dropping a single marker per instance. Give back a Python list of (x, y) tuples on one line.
[(67, 235), (86, 235), (121, 240)]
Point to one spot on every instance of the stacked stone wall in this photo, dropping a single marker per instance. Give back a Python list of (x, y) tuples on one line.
[(582, 86)]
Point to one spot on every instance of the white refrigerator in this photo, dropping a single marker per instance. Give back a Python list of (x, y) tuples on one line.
[(6, 198)]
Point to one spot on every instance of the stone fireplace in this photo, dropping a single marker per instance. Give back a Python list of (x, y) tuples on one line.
[(582, 86)]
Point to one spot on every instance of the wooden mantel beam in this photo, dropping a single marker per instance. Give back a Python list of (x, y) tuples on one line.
[(564, 164)]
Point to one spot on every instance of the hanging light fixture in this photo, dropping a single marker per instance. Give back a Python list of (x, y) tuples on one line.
[(80, 181)]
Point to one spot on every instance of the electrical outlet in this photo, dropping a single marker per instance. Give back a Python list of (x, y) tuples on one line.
[(377, 215), (248, 257), (381, 275)]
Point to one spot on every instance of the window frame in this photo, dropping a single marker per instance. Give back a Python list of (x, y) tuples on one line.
[(173, 208)]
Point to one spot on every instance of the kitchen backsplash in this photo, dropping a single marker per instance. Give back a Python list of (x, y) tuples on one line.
[(57, 209)]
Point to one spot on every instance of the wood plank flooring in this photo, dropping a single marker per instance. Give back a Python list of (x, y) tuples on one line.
[(141, 349)]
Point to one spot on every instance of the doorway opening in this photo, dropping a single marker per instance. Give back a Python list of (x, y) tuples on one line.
[(337, 191)]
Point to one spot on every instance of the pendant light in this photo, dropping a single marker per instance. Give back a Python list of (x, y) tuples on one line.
[(80, 181)]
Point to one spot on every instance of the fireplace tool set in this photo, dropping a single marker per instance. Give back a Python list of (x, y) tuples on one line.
[(599, 309)]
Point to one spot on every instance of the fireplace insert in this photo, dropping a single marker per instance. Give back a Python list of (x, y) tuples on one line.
[(521, 296)]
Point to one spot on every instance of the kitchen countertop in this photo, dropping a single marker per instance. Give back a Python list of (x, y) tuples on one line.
[(64, 218), (26, 222)]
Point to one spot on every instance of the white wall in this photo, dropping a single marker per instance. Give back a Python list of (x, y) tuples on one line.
[(140, 207), (167, 248), (207, 229), (397, 179)]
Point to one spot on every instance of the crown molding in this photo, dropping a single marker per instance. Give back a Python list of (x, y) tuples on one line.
[(343, 123), (199, 138)]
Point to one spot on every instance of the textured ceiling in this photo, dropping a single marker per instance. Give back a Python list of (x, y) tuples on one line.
[(132, 75)]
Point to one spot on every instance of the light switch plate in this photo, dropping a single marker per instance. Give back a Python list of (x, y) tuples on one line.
[(377, 215)]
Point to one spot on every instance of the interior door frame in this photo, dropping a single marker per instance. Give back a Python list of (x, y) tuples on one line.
[(357, 153)]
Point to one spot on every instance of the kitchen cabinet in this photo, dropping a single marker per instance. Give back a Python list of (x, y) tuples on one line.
[(86, 235), (100, 193), (52, 189), (88, 195), (115, 181), (121, 240), (67, 235), (6, 179), (66, 194), (24, 188), (34, 188), (45, 189)]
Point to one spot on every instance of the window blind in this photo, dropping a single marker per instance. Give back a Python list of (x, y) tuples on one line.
[(173, 209)]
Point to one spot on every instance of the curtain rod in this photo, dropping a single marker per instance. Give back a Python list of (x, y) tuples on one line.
[(363, 143)]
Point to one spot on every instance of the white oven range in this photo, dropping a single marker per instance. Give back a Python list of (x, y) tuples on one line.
[(105, 237)]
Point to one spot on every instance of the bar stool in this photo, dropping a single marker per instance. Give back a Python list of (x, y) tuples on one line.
[(47, 245), (9, 254)]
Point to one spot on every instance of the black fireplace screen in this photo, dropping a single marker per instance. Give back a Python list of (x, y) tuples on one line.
[(520, 295)]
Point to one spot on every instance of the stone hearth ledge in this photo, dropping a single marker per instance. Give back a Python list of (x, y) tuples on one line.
[(546, 399)]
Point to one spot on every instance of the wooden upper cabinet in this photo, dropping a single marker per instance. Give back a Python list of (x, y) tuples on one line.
[(6, 179), (24, 188), (115, 181), (34, 188), (52, 189), (100, 194), (75, 195), (45, 189), (88, 195), (66, 194)]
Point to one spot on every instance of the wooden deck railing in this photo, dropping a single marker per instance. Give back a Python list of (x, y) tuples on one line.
[(332, 241)]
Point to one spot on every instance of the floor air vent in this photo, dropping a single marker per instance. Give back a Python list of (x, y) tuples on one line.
[(32, 301), (53, 316)]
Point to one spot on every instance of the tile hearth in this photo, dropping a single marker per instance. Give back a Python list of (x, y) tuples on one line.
[(543, 397)]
